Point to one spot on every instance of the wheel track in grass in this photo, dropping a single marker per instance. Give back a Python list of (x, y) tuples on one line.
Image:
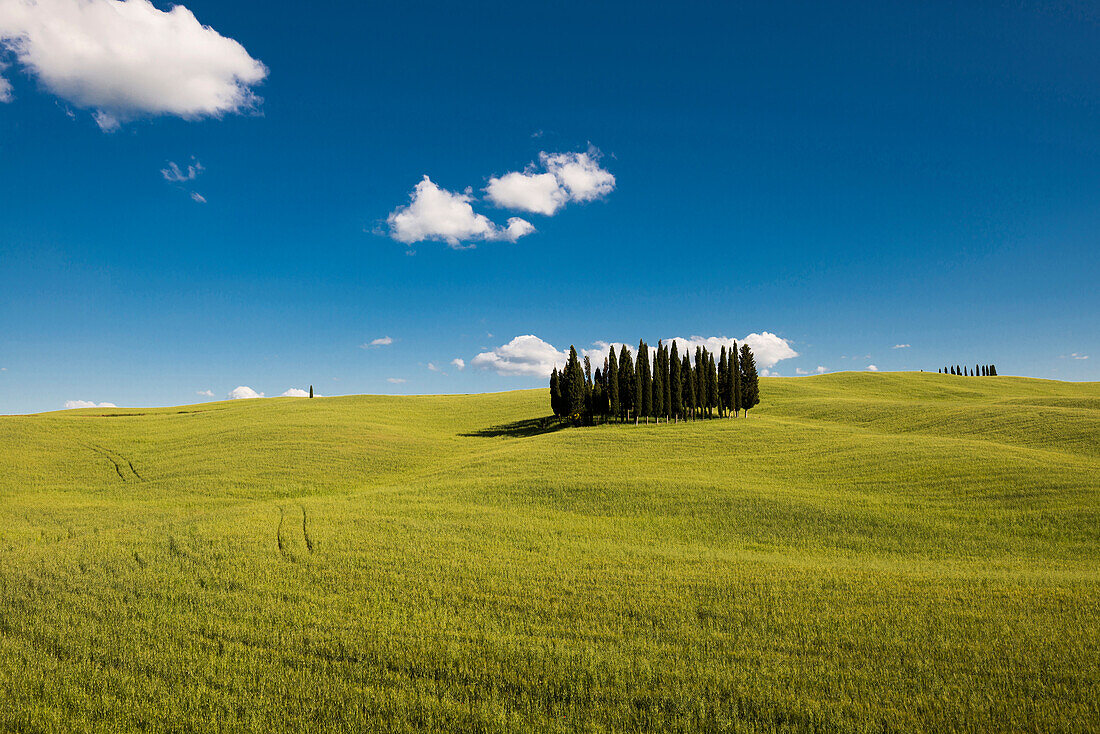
[(118, 462), (283, 543)]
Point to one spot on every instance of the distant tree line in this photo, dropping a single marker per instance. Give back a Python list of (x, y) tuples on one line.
[(666, 385), (980, 370)]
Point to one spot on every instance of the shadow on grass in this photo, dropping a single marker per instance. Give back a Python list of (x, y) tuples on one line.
[(521, 429)]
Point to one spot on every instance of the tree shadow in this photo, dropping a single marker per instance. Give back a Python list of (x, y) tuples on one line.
[(520, 429)]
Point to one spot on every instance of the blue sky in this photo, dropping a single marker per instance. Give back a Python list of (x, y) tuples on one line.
[(847, 178)]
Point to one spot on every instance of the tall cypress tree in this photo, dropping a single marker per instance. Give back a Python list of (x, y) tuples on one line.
[(722, 375), (659, 382), (750, 382), (643, 396), (555, 393), (712, 384), (612, 377), (735, 376), (993, 370), (687, 388), (627, 378), (574, 384), (311, 391), (666, 395), (675, 387)]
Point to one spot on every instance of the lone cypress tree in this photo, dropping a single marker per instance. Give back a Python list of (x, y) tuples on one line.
[(687, 388), (612, 378), (675, 387), (659, 387), (750, 381), (626, 383), (311, 391), (574, 384)]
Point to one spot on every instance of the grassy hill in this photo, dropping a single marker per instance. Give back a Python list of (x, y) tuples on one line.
[(882, 552)]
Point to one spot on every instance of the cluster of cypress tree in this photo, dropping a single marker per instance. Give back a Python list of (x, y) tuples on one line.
[(980, 370), (665, 386)]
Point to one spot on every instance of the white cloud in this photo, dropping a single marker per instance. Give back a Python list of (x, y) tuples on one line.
[(382, 341), (206, 393), (433, 368), (434, 213), (820, 369), (767, 348), (395, 380), (196, 196), (900, 346), (566, 177), (126, 59), (242, 392), (175, 174), (872, 368), (295, 392), (1077, 355), (459, 363), (5, 86), (70, 404), (524, 355), (529, 191)]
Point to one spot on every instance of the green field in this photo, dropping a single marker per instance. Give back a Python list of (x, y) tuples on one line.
[(866, 552)]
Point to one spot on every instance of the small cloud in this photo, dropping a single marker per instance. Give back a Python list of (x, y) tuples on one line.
[(820, 369), (433, 368), (295, 392), (5, 86), (1077, 355), (206, 393), (197, 197), (395, 380), (872, 368), (800, 371), (71, 404), (459, 363), (175, 174), (564, 177), (434, 213), (900, 346), (243, 392), (382, 341), (769, 373)]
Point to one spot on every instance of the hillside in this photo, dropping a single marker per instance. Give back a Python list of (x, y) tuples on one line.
[(892, 551)]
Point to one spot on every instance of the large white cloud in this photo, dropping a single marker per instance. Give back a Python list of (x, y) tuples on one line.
[(434, 213), (566, 177), (295, 392), (125, 58), (767, 348), (529, 355), (242, 392), (524, 355), (70, 404)]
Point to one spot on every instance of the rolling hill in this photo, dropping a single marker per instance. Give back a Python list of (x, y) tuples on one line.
[(864, 552)]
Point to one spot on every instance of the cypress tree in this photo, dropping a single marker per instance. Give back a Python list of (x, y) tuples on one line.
[(659, 388), (612, 377), (750, 384), (555, 392), (712, 384), (735, 377), (311, 391), (687, 389), (993, 370), (675, 387), (589, 389), (574, 384), (627, 379), (666, 395), (643, 396)]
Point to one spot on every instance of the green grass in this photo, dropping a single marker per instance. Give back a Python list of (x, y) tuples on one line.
[(867, 552)]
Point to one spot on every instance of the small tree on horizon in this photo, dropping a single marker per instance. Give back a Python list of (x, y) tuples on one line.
[(675, 387), (311, 391)]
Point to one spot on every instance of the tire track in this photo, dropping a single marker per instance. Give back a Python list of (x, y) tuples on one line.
[(279, 535), (119, 462), (305, 532)]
